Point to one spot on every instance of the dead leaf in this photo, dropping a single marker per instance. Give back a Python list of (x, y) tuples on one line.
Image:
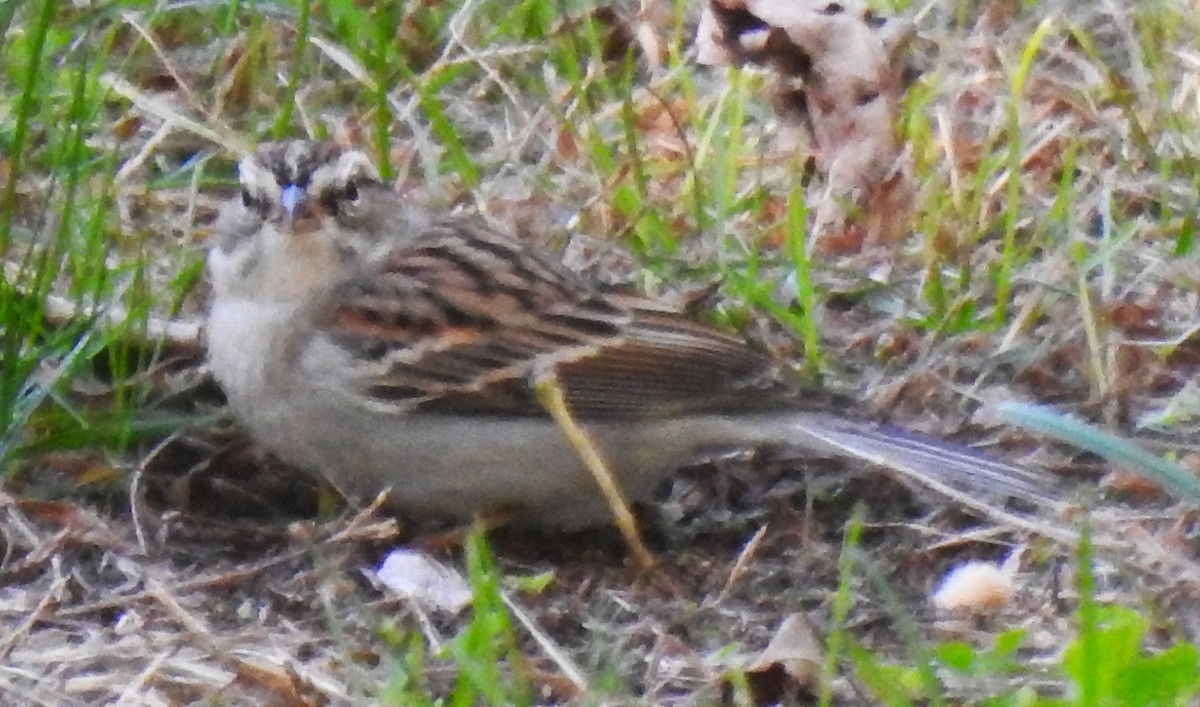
[(1136, 319), (833, 74), (1128, 483), (788, 668), (652, 20), (81, 524)]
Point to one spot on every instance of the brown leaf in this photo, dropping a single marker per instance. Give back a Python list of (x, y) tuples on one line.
[(1136, 319), (158, 82), (1129, 483), (79, 527), (788, 668), (125, 128), (566, 144), (843, 240), (833, 72)]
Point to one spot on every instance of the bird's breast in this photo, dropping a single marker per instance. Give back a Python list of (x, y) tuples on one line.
[(247, 342)]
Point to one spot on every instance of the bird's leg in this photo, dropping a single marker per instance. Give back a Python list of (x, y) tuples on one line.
[(550, 395)]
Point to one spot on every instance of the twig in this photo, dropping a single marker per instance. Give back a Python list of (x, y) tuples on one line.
[(180, 335), (548, 646), (742, 565), (50, 598), (550, 394)]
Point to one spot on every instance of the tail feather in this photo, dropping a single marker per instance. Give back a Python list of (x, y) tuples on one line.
[(937, 463)]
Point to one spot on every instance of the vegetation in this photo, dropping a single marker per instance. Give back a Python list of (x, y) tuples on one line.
[(1050, 258)]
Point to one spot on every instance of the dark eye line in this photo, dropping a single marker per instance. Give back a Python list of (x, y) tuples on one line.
[(330, 202), (334, 200)]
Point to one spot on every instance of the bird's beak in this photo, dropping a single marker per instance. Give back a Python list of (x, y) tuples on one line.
[(299, 214), (290, 199)]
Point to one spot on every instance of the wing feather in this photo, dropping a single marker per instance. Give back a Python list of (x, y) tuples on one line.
[(461, 322)]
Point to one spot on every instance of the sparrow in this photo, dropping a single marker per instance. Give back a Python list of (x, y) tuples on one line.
[(390, 347)]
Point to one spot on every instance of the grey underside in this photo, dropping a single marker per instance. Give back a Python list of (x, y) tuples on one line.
[(457, 466)]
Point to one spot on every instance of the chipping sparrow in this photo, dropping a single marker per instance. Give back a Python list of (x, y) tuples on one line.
[(360, 336)]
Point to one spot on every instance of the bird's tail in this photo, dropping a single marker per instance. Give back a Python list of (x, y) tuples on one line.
[(959, 472)]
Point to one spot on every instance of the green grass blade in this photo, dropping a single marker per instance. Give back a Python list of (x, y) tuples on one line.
[(1065, 428)]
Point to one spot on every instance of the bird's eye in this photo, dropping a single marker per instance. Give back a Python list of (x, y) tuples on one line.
[(247, 199), (350, 192)]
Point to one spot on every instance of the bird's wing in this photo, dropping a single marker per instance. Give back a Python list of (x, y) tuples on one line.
[(463, 321)]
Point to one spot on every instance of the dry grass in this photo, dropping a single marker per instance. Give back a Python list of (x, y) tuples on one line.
[(1050, 259)]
